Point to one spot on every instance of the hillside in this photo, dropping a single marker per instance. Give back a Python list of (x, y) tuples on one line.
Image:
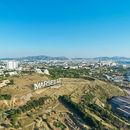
[(85, 93)]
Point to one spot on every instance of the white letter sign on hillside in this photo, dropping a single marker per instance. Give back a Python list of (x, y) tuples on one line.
[(46, 84)]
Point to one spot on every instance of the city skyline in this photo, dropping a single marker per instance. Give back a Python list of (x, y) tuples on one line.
[(64, 28)]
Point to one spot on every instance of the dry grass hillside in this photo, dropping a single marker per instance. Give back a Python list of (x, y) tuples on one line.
[(100, 89), (76, 88)]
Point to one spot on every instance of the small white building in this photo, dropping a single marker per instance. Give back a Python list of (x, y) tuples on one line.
[(38, 71), (46, 72), (13, 73)]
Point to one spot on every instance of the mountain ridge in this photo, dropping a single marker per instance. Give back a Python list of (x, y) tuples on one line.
[(45, 57)]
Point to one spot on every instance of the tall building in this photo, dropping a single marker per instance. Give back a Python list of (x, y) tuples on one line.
[(12, 64)]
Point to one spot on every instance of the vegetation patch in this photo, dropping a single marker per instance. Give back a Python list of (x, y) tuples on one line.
[(5, 97), (88, 119), (58, 124)]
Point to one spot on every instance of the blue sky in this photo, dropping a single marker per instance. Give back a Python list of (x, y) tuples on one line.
[(72, 28)]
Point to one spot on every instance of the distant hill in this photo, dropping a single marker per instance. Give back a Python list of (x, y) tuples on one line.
[(44, 57), (40, 57), (115, 58)]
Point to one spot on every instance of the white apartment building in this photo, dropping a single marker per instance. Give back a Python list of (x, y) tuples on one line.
[(12, 65)]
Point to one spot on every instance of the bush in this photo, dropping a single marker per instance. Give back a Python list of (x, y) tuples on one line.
[(5, 97)]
